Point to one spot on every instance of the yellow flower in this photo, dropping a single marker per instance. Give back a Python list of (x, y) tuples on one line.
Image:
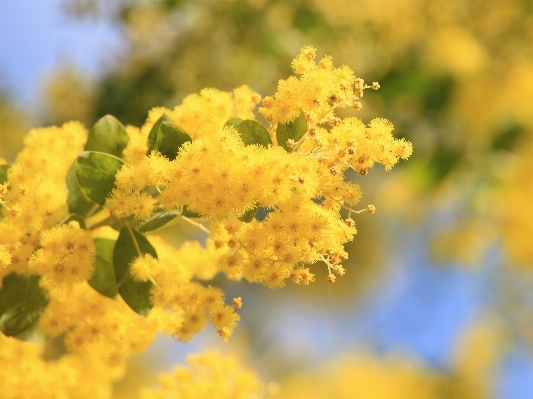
[(5, 256), (66, 255)]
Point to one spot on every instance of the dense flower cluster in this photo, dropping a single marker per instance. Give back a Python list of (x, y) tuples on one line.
[(303, 189), (108, 329), (208, 375), (37, 189), (272, 199), (26, 375)]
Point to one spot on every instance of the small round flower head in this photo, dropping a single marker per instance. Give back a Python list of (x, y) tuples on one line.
[(15, 211), (23, 190), (245, 100), (338, 269), (237, 302), (225, 333), (335, 121), (193, 321), (3, 189), (268, 102), (144, 267), (326, 63), (349, 222), (66, 255), (224, 316), (304, 62), (5, 256)]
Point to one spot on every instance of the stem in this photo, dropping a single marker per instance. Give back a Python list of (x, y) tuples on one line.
[(199, 225), (348, 208), (137, 248), (272, 133), (93, 209), (106, 222)]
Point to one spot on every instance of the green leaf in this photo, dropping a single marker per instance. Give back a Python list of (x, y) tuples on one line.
[(170, 139), (249, 215), (3, 173), (233, 122), (33, 334), (152, 137), (96, 172), (119, 224), (252, 132), (507, 138), (107, 135), (188, 213), (103, 279), (443, 162), (166, 138), (131, 244), (293, 130), (77, 201), (152, 190), (77, 218), (22, 301), (157, 220)]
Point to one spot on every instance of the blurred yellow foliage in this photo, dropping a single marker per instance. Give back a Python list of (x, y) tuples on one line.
[(364, 374), (68, 94), (14, 123)]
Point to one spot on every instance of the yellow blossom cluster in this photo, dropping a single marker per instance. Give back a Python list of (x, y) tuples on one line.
[(137, 146), (297, 233), (352, 144), (301, 183), (26, 375), (319, 90), (5, 256), (209, 375), (15, 209), (190, 304), (37, 189), (103, 327), (273, 207), (215, 176), (203, 114), (218, 176), (66, 255)]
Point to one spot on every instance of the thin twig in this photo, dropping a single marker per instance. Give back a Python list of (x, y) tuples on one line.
[(137, 248), (106, 222), (199, 225)]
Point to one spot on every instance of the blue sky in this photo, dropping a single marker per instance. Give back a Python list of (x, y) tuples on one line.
[(35, 36)]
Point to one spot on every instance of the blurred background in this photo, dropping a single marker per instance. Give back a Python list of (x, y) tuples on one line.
[(437, 301)]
